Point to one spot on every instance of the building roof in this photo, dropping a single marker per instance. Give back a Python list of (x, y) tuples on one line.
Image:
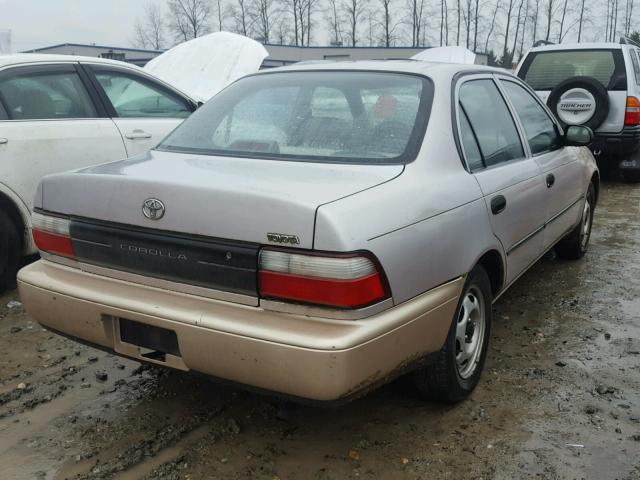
[(124, 49)]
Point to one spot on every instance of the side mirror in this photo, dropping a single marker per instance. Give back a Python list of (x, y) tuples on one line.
[(578, 136)]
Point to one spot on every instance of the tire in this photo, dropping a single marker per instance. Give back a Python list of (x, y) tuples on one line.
[(592, 86), (449, 379), (9, 252), (575, 244)]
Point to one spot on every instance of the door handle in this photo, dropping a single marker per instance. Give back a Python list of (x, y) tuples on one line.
[(551, 179), (498, 204), (3, 141), (137, 134)]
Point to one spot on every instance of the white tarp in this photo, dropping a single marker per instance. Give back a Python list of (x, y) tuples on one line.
[(205, 65), (447, 55)]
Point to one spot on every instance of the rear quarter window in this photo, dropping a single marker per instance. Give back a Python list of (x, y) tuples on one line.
[(546, 70)]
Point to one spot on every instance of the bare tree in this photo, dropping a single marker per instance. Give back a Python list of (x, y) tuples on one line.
[(505, 50), (221, 13), (628, 13), (550, 9), (387, 28), (581, 20), (416, 20), (242, 17), (524, 27), (262, 13), (354, 11), (562, 21), (149, 30), (534, 19), (334, 22), (475, 28), (189, 18), (515, 38), (458, 11), (444, 23), (491, 28)]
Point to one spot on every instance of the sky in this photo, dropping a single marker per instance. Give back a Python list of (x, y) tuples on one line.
[(37, 23)]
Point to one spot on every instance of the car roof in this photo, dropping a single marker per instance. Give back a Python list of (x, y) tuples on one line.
[(578, 46), (396, 66), (24, 58)]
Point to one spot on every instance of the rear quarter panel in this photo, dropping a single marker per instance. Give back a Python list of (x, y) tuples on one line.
[(427, 226)]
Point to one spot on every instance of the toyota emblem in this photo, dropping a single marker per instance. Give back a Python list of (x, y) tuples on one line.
[(153, 209)]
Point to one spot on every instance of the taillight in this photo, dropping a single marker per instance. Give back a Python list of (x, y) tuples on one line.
[(51, 234), (341, 280), (632, 113)]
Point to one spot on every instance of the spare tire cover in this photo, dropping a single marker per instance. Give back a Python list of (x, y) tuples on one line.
[(580, 101)]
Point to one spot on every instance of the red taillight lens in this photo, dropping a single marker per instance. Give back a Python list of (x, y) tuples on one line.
[(343, 281), (632, 115), (51, 234)]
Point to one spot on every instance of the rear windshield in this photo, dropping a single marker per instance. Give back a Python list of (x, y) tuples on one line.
[(337, 116), (545, 70)]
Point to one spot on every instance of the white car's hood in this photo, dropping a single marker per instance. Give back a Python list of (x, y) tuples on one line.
[(205, 65), (447, 55)]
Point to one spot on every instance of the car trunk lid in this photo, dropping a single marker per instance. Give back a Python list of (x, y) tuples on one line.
[(217, 212)]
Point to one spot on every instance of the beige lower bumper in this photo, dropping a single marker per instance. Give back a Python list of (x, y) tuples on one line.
[(308, 357)]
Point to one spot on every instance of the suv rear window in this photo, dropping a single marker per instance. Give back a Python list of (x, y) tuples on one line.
[(545, 70), (319, 116)]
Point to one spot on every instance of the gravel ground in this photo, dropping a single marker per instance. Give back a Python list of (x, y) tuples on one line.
[(559, 398)]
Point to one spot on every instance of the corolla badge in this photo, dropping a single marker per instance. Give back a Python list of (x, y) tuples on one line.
[(153, 209), (283, 238)]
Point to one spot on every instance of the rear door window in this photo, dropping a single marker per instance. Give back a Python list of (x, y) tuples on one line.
[(137, 97), (38, 94), (490, 121), (545, 70)]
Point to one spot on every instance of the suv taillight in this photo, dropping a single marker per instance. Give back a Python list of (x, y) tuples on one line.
[(632, 113), (51, 234), (340, 280)]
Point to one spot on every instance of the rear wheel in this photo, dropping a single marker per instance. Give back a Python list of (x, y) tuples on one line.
[(459, 364), (9, 252), (575, 244)]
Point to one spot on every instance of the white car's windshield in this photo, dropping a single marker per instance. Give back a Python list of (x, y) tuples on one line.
[(337, 116)]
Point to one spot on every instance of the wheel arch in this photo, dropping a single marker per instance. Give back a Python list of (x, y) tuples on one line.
[(493, 264), (595, 180), (18, 214)]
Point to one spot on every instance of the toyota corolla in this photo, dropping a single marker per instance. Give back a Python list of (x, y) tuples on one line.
[(317, 230)]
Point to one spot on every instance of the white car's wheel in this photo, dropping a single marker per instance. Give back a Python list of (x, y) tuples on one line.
[(9, 252)]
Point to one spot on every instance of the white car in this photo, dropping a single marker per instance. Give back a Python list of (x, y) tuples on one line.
[(60, 112)]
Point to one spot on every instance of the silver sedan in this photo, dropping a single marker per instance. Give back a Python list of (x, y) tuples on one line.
[(316, 230)]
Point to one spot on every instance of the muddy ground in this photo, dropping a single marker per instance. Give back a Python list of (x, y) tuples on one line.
[(560, 396)]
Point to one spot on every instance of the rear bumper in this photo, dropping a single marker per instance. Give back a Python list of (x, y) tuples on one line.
[(617, 146), (296, 355)]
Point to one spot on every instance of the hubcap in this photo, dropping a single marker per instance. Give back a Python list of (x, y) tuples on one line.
[(576, 106), (470, 333), (586, 225)]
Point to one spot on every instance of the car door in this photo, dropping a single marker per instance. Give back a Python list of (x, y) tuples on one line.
[(559, 164), (510, 180), (144, 109), (51, 124)]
